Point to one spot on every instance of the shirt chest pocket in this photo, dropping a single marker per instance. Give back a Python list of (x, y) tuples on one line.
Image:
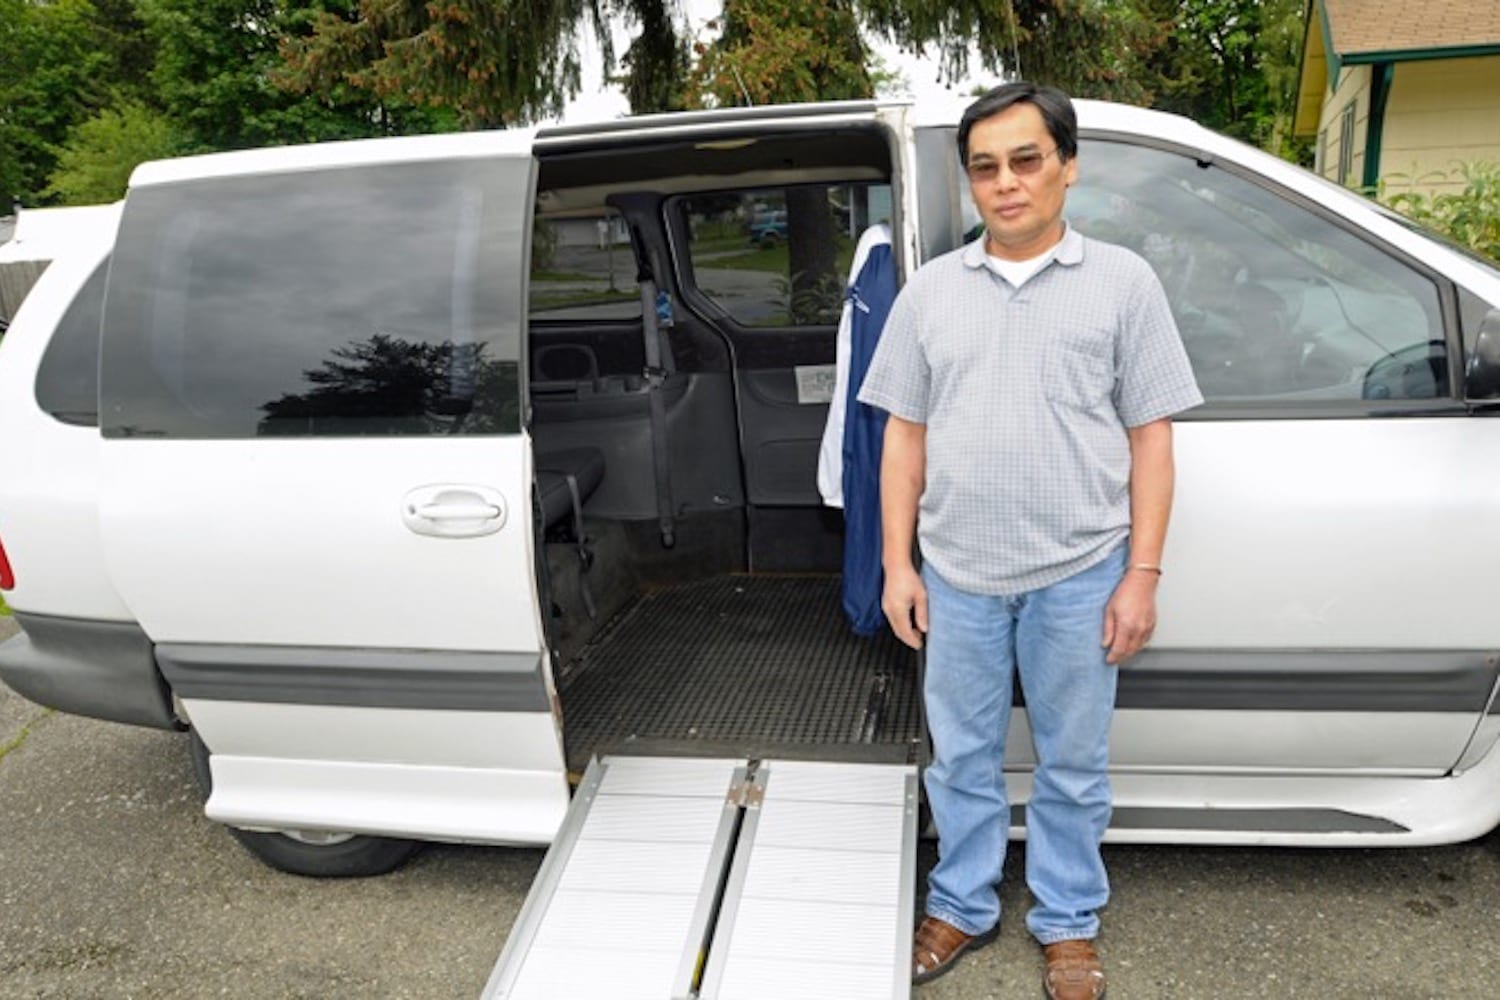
[(1079, 368)]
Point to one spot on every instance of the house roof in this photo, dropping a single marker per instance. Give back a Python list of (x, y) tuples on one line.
[(1369, 27), (1352, 32)]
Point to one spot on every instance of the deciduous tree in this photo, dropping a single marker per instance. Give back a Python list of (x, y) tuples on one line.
[(94, 165), (54, 72), (782, 51), (1230, 64)]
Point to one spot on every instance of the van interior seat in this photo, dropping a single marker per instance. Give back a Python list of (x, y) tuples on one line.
[(554, 469)]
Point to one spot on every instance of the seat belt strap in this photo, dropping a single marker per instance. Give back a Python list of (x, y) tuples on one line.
[(655, 375), (585, 557)]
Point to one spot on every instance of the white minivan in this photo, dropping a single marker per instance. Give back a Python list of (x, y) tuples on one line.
[(409, 475)]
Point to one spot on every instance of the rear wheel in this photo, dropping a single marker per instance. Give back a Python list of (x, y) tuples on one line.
[(314, 853)]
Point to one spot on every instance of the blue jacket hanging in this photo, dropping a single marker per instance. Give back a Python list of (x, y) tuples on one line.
[(871, 294)]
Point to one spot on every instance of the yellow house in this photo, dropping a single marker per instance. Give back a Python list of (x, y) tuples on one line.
[(1400, 90)]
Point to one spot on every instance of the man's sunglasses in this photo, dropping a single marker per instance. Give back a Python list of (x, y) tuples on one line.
[(1021, 164)]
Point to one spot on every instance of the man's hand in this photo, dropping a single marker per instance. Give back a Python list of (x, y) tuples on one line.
[(1130, 616), (905, 605), (903, 472)]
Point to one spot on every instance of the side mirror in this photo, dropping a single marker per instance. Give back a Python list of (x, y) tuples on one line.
[(1482, 373)]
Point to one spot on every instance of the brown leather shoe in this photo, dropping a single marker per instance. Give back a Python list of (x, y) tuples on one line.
[(1074, 971), (937, 945)]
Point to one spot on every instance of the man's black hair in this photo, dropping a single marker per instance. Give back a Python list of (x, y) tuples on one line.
[(1055, 106)]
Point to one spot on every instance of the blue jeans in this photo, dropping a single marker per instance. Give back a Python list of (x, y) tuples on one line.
[(975, 644)]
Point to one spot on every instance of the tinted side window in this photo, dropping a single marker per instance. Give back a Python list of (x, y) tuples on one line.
[(1274, 301), (67, 382), (779, 257), (374, 300)]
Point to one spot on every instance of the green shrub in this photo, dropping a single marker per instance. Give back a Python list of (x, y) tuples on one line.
[(1470, 217)]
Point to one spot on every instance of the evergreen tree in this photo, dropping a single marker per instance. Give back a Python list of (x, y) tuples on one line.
[(219, 74), (492, 62), (512, 61), (1088, 48)]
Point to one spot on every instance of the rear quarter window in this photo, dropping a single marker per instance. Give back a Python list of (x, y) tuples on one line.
[(376, 300), (67, 381)]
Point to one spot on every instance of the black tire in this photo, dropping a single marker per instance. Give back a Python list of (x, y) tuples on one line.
[(345, 856)]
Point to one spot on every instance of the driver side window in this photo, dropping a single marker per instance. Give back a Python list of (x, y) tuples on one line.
[(1274, 302)]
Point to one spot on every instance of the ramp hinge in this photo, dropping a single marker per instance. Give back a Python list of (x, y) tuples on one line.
[(747, 794)]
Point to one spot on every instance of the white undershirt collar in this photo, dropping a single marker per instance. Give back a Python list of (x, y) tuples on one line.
[(1018, 272)]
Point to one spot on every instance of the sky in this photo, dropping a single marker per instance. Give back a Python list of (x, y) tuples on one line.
[(597, 102)]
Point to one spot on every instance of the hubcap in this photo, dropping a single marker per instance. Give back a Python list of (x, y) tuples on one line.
[(317, 838)]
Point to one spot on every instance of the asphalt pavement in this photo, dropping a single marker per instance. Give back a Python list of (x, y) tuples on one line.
[(113, 885)]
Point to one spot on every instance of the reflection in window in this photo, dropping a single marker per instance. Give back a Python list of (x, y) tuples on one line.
[(583, 268), (364, 300), (1273, 301), (387, 385), (780, 257)]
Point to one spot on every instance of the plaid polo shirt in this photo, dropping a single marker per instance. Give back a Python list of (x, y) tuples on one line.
[(1026, 394)]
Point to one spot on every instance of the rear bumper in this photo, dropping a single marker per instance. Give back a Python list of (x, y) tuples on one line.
[(101, 669)]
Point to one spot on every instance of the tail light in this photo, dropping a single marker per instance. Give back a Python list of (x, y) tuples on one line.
[(7, 578)]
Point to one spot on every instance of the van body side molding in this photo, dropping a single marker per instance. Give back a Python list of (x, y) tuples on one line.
[(98, 669), (363, 678), (1282, 680)]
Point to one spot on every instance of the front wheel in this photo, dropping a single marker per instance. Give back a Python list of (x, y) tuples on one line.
[(314, 853)]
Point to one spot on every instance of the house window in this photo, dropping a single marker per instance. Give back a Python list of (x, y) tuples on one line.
[(1346, 143)]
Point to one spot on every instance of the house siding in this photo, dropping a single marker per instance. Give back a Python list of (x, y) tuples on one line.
[(1353, 89), (1313, 83), (1440, 112)]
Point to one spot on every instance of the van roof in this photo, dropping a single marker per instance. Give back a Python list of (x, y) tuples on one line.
[(515, 142), (321, 155)]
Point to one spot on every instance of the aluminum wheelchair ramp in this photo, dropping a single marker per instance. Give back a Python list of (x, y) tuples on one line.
[(710, 879)]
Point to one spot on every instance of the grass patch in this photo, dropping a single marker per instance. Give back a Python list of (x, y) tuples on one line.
[(4, 608), (714, 244), (775, 260), (20, 738), (542, 301), (562, 276), (15, 743), (771, 259)]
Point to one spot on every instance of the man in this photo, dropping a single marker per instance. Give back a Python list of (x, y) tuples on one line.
[(1030, 378)]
